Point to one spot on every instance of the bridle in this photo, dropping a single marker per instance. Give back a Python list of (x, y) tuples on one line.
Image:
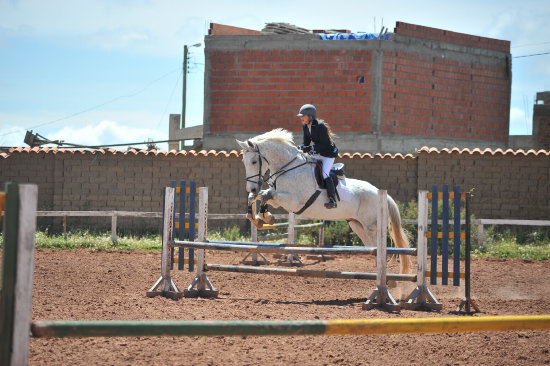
[(269, 180), (260, 180)]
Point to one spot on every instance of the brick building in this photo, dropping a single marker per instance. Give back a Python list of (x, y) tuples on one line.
[(541, 121), (418, 86)]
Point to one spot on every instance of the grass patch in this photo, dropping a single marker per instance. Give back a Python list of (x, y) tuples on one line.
[(511, 244), (510, 249), (94, 241)]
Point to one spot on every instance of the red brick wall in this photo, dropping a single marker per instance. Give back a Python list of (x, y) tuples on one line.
[(256, 90), (254, 87), (435, 96)]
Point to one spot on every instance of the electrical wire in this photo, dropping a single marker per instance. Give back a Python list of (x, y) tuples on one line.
[(131, 94), (169, 99), (535, 54), (70, 145)]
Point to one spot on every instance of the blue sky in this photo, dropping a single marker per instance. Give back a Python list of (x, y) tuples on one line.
[(104, 72)]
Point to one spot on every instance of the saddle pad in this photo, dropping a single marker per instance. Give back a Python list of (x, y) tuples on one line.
[(343, 191)]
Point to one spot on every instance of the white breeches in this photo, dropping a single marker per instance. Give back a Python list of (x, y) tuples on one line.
[(327, 164)]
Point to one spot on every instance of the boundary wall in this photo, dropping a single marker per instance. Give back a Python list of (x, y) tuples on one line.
[(506, 184)]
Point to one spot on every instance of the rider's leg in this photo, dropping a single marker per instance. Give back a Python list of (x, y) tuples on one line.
[(331, 189)]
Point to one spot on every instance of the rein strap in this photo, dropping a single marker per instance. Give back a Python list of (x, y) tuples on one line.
[(309, 202)]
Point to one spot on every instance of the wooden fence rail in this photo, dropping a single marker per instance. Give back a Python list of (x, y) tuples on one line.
[(480, 223)]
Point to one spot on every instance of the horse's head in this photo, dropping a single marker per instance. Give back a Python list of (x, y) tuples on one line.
[(270, 150), (255, 166)]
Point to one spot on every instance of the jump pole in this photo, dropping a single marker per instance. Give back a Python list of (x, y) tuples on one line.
[(151, 328)]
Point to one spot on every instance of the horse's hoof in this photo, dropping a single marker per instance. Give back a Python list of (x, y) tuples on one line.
[(257, 223), (268, 218)]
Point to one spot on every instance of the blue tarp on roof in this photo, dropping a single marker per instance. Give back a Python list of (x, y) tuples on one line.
[(338, 36)]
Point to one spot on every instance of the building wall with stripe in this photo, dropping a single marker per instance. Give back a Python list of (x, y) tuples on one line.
[(420, 87)]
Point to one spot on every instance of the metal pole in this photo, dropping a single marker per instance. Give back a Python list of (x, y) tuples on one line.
[(184, 89), (467, 255)]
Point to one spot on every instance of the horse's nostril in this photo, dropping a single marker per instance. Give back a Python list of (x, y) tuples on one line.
[(253, 190)]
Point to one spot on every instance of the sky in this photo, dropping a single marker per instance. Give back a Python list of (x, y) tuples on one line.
[(101, 72)]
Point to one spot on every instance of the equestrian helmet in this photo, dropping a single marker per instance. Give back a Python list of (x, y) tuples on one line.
[(308, 110)]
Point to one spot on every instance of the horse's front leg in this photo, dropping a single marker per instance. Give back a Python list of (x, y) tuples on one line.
[(266, 195)]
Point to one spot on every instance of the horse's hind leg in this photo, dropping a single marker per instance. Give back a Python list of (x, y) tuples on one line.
[(368, 237)]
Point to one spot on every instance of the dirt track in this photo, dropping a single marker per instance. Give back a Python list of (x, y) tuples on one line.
[(112, 285)]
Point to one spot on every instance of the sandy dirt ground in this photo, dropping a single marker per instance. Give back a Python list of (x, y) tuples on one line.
[(112, 285)]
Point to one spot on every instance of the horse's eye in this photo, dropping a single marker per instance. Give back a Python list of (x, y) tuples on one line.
[(254, 162)]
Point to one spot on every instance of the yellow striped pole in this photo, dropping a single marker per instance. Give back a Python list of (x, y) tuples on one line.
[(439, 325)]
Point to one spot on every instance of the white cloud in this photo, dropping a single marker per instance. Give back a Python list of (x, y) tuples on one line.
[(107, 133), (92, 128)]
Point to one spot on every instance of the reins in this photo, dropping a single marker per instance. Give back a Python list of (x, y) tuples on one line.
[(282, 170)]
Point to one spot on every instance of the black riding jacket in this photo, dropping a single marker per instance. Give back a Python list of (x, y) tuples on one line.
[(320, 138)]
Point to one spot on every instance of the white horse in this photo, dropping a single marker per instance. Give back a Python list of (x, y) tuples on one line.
[(292, 184)]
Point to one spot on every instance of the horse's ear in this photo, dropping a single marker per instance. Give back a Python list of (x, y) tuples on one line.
[(243, 145)]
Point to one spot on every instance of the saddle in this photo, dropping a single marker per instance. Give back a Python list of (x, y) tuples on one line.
[(336, 172)]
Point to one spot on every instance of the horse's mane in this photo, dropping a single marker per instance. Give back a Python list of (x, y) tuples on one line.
[(277, 135)]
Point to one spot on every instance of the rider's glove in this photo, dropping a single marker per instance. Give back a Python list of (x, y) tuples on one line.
[(305, 148)]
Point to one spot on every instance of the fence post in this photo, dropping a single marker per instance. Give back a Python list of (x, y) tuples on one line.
[(17, 273), (480, 234), (201, 285), (421, 297), (291, 231), (113, 227), (381, 297), (164, 285), (64, 220)]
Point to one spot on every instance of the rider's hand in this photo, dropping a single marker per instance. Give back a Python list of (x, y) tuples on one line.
[(305, 148)]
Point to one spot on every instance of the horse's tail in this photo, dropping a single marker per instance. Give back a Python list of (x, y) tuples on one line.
[(398, 235)]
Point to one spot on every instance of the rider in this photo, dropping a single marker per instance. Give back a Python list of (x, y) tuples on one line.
[(323, 148)]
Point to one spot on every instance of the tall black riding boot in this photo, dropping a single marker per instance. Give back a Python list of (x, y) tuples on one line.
[(331, 191)]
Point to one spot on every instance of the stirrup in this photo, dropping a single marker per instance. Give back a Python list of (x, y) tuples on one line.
[(331, 204)]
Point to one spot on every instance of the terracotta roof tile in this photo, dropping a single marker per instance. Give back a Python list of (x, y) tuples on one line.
[(237, 153), (433, 150)]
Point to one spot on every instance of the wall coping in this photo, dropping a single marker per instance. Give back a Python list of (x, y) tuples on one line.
[(235, 153)]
